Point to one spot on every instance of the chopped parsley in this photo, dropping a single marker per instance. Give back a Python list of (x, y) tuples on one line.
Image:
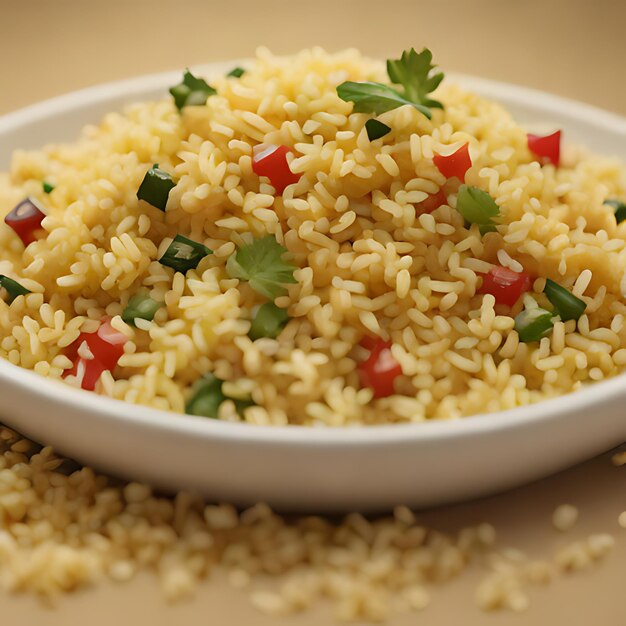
[(47, 187), (412, 71), (260, 263), (191, 91)]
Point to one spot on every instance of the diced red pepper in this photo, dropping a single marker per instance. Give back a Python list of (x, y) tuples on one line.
[(455, 164), (88, 371), (505, 285), (433, 202), (368, 342), (271, 161), (380, 370), (25, 219), (106, 345), (547, 147)]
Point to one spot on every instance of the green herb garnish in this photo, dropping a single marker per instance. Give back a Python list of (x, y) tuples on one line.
[(140, 306), (47, 187), (533, 324), (191, 91), (412, 71), (12, 287), (567, 305), (477, 207), (236, 72), (261, 264), (268, 321), (619, 209), (374, 98), (376, 129), (184, 254), (415, 73), (155, 187)]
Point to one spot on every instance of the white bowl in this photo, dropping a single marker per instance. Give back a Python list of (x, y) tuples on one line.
[(315, 469)]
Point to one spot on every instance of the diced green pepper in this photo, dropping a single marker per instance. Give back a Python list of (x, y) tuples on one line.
[(567, 305), (376, 129), (533, 324), (619, 209), (140, 306), (12, 287), (184, 254), (207, 397), (155, 187)]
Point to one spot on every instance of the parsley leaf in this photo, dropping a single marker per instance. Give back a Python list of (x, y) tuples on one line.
[(261, 264), (375, 98), (477, 207), (191, 91), (268, 321), (414, 72)]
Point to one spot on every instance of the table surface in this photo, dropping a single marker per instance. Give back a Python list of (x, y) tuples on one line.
[(573, 48)]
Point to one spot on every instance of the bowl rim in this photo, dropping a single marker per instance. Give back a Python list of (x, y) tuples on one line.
[(100, 407)]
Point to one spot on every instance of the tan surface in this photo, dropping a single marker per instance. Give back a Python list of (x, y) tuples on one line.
[(574, 48)]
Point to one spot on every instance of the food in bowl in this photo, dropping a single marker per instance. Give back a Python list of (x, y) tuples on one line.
[(316, 240)]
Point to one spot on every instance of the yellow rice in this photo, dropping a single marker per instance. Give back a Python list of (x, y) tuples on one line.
[(368, 264)]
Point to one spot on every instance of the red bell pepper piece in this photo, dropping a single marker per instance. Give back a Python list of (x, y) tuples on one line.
[(505, 285), (106, 345), (455, 164), (271, 161), (25, 219), (547, 147), (87, 371), (434, 201), (380, 370)]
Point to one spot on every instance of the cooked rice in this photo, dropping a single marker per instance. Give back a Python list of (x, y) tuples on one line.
[(565, 517), (368, 263)]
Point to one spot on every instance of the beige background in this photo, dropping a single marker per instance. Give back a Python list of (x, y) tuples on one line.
[(575, 48)]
